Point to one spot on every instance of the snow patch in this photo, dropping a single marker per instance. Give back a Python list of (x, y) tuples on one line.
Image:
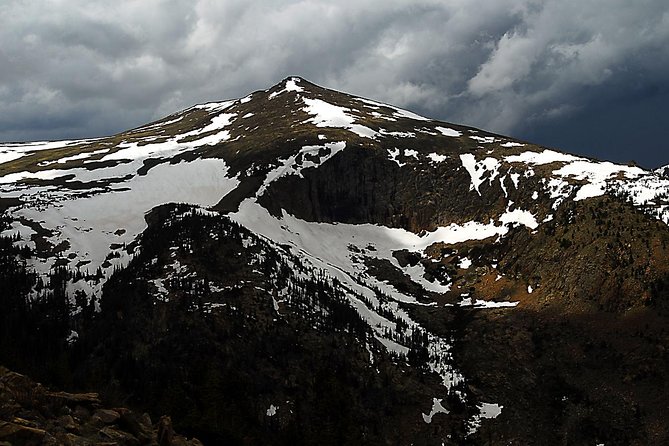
[(328, 115), (538, 158), (290, 85), (483, 139), (397, 113), (437, 158), (446, 131), (465, 263), (519, 216), (392, 156), (410, 152), (436, 408), (477, 170)]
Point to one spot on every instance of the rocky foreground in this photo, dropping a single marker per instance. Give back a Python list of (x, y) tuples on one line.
[(31, 414)]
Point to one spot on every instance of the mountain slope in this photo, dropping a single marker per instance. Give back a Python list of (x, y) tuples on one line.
[(431, 233)]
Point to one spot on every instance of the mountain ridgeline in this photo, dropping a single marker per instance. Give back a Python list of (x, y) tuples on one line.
[(303, 266)]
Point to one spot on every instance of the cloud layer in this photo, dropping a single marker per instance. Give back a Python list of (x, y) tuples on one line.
[(589, 76)]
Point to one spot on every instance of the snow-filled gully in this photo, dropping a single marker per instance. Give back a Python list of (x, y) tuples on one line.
[(326, 246)]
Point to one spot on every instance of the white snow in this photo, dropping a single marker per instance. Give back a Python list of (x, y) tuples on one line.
[(393, 154), (290, 166), (7, 155), (597, 174), (290, 85), (385, 132), (648, 192), (24, 232), (511, 144), (544, 157), (446, 131), (160, 288), (72, 337), (217, 123), (79, 156), (417, 275), (401, 113), (10, 152), (175, 145), (326, 246), (410, 152), (328, 115), (477, 170), (484, 304), (132, 151), (529, 289), (380, 116), (437, 158), (519, 216), (486, 411), (483, 139), (329, 243), (590, 190), (465, 263), (90, 224), (503, 186), (597, 171), (436, 408), (398, 112), (157, 125), (489, 410), (215, 106), (40, 175)]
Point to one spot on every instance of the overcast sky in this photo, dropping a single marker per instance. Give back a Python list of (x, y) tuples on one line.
[(586, 76)]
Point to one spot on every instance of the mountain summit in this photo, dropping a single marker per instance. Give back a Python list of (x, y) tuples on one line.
[(462, 281)]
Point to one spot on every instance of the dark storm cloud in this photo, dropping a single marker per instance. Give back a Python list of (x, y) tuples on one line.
[(588, 76)]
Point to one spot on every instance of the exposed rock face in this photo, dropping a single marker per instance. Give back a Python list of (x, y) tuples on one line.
[(33, 415)]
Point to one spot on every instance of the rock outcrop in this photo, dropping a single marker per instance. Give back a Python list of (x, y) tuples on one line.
[(31, 414)]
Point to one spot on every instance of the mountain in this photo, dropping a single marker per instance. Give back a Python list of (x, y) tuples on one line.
[(305, 266)]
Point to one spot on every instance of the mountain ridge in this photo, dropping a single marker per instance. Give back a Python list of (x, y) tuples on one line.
[(429, 232)]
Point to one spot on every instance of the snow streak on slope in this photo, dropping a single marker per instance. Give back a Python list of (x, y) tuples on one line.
[(328, 247), (397, 112), (328, 115), (446, 131), (307, 157), (11, 152), (290, 85), (478, 169)]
